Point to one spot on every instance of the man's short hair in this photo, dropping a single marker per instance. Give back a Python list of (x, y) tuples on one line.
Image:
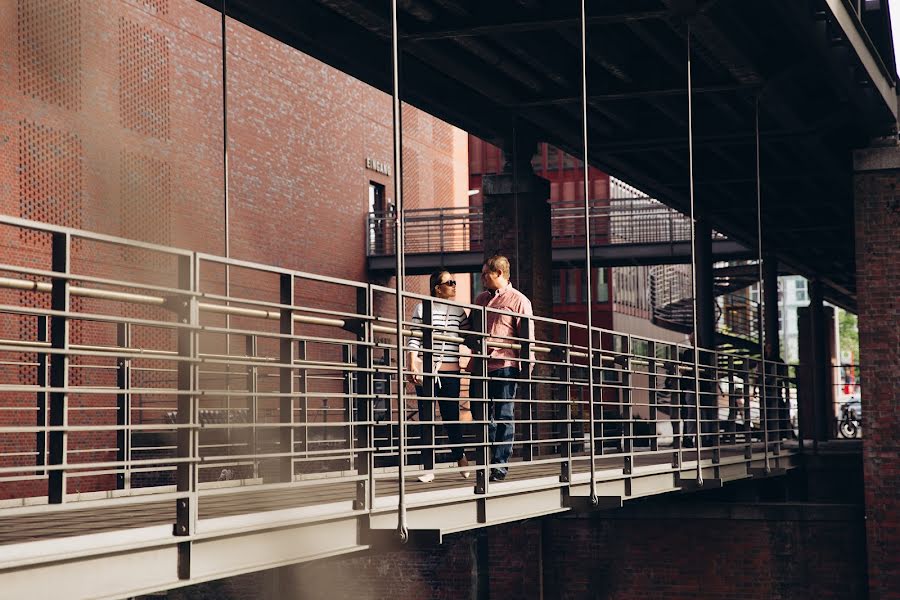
[(498, 262)]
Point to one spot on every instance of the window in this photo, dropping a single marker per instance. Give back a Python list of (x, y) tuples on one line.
[(801, 293), (571, 287), (552, 158), (601, 287), (378, 219), (754, 292), (600, 292), (477, 287), (556, 286)]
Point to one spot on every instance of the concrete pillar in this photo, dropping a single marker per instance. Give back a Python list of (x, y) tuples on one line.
[(706, 300), (517, 225), (877, 212)]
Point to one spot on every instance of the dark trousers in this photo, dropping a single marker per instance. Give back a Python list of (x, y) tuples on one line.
[(449, 389), (501, 411)]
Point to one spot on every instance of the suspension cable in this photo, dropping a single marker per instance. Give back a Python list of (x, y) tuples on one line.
[(402, 529), (587, 253), (693, 259), (763, 408)]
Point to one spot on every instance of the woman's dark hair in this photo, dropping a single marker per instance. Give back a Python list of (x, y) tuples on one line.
[(435, 280)]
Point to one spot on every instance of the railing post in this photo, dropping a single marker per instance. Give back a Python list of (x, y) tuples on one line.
[(348, 386), (627, 408), (528, 411), (565, 448), (59, 368), (478, 400), (426, 402), (286, 376), (764, 408), (652, 395), (365, 407), (43, 382), (123, 407), (252, 351), (714, 427), (746, 375), (675, 403), (187, 312)]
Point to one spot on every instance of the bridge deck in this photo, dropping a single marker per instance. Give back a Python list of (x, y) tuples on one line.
[(74, 521)]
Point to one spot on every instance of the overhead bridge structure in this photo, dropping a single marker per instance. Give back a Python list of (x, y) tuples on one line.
[(818, 75), (170, 433), (621, 234), (175, 416)]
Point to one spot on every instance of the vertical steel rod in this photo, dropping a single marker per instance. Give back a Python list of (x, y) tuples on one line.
[(402, 529), (763, 404), (587, 253), (698, 444)]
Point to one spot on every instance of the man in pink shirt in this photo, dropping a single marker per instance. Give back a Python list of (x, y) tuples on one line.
[(503, 364)]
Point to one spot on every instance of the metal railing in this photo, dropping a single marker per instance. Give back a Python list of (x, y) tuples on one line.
[(460, 229), (847, 399), (123, 383), (671, 298)]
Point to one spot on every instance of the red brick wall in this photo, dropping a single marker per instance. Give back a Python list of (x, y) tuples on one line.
[(587, 558), (878, 267), (716, 559), (111, 121)]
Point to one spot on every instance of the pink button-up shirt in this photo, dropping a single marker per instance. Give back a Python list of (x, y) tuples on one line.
[(501, 326)]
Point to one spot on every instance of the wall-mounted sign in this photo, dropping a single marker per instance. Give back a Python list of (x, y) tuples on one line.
[(378, 166)]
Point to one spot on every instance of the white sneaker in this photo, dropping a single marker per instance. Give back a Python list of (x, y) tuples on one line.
[(426, 477)]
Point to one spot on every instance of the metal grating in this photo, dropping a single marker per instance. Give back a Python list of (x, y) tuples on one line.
[(49, 51), (144, 79), (50, 179)]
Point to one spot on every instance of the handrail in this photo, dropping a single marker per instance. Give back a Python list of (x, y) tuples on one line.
[(459, 228), (151, 399)]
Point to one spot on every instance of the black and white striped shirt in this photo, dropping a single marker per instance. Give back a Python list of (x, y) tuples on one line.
[(446, 319)]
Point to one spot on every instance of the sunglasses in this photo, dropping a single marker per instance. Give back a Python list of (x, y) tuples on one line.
[(450, 282)]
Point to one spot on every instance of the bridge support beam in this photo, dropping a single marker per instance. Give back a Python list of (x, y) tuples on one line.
[(877, 212)]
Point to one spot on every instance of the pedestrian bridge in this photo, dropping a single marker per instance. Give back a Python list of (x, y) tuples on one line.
[(170, 417), (623, 232)]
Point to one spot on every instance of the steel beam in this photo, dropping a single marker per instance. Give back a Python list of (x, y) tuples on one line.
[(859, 40), (615, 255)]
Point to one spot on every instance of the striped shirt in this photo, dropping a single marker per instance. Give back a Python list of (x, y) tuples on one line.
[(446, 319)]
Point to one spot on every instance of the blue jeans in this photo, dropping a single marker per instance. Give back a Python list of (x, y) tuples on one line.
[(501, 412)]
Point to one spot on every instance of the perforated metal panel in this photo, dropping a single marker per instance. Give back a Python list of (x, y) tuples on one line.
[(49, 50), (50, 178), (144, 79), (146, 185)]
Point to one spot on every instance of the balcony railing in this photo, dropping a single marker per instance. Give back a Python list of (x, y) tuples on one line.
[(460, 229), (134, 381)]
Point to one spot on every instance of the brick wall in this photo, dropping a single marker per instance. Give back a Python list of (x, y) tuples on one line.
[(877, 268), (756, 551), (111, 121)]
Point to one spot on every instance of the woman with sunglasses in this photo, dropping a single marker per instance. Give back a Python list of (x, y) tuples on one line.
[(446, 319)]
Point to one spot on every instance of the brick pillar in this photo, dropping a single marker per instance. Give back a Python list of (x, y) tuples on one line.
[(517, 225), (877, 208)]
